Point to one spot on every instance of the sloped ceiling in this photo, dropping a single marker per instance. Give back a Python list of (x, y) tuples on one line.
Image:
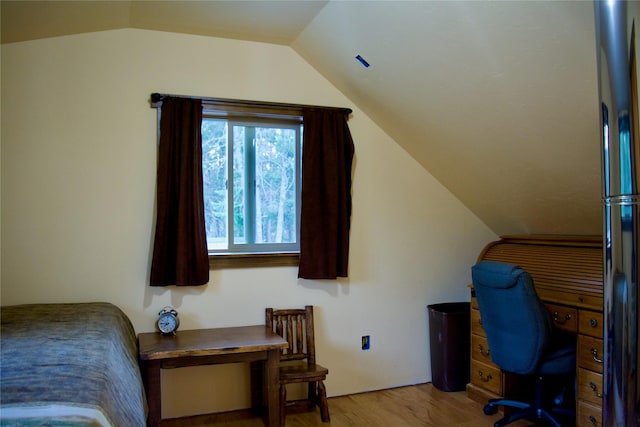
[(497, 100)]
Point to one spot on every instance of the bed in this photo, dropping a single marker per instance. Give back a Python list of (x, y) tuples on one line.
[(69, 365)]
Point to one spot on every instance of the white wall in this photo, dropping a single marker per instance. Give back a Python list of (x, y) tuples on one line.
[(78, 180)]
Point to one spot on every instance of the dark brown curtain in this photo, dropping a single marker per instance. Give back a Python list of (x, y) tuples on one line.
[(180, 246), (326, 194)]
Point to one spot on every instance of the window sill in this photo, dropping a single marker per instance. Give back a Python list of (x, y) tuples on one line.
[(221, 261)]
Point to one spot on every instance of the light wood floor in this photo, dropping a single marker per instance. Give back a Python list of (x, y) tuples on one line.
[(413, 406)]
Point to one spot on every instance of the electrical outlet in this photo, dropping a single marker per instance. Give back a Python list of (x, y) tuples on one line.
[(366, 342)]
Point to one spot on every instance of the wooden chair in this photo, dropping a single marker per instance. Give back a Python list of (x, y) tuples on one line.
[(298, 361)]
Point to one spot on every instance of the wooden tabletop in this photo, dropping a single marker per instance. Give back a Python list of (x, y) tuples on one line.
[(208, 342)]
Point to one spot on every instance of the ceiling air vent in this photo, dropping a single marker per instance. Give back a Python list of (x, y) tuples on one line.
[(361, 60)]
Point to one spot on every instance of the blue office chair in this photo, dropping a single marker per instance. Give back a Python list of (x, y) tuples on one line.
[(522, 340)]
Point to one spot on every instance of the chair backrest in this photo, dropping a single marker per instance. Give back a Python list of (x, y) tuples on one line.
[(296, 326), (517, 324)]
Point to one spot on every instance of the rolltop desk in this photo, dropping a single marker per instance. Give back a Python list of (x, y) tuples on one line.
[(567, 272)]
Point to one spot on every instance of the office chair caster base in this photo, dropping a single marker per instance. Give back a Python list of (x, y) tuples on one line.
[(490, 409)]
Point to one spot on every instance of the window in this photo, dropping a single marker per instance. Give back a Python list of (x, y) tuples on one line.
[(252, 177), (251, 182)]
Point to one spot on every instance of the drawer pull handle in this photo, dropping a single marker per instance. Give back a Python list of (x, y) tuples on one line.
[(483, 378), (594, 387), (482, 352), (594, 353), (556, 318), (593, 323), (593, 420)]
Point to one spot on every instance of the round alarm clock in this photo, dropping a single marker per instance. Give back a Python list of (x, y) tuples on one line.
[(168, 321)]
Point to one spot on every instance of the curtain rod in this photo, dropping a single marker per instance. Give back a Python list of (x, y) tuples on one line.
[(156, 101)]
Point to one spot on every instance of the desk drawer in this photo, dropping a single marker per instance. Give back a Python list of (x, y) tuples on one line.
[(588, 415), (590, 355), (476, 323), (591, 323), (590, 387), (486, 376), (480, 350), (565, 318)]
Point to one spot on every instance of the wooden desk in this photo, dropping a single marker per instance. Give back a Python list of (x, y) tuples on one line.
[(567, 272), (212, 346)]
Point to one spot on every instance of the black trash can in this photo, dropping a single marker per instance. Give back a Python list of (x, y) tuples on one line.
[(449, 336)]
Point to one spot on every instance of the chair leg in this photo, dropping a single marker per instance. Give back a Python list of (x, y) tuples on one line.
[(544, 415), (283, 403), (514, 416), (324, 405), (312, 395)]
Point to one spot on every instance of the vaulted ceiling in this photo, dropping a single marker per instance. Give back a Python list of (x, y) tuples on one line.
[(497, 100)]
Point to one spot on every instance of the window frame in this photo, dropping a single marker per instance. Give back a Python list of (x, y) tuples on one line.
[(256, 112), (248, 120)]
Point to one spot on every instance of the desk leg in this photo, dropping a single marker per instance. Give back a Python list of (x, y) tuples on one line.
[(152, 377), (257, 388), (271, 383)]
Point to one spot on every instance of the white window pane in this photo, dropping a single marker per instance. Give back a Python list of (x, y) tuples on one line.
[(275, 185), (214, 170)]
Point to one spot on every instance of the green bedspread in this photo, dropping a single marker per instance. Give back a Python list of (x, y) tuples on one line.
[(55, 358)]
